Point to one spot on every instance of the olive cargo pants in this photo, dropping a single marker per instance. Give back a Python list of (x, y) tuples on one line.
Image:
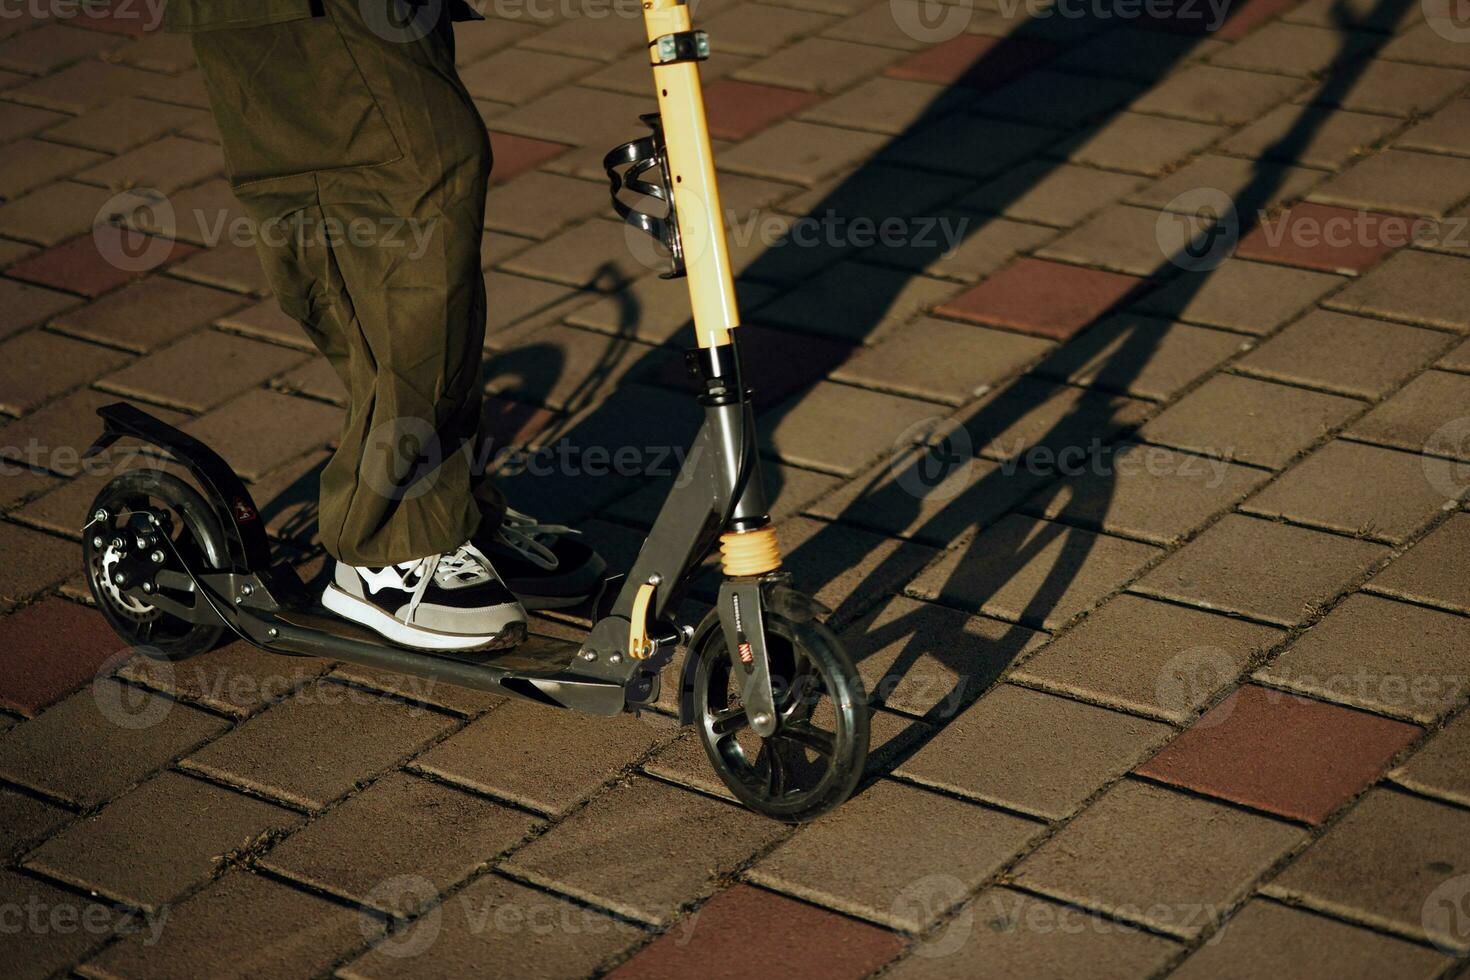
[(363, 163)]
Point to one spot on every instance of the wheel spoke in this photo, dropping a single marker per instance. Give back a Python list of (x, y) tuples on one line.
[(729, 721), (803, 734), (776, 774)]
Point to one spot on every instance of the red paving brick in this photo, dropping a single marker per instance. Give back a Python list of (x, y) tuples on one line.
[(49, 650), (1280, 753), (1328, 239), (974, 60), (740, 109), (806, 942), (79, 266), (516, 154), (1050, 299)]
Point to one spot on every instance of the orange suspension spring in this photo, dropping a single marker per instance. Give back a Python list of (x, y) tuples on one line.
[(750, 552)]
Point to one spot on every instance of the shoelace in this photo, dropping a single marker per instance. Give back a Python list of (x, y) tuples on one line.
[(465, 562), (520, 532)]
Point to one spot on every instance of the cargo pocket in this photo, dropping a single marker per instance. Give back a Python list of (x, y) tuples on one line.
[(289, 98)]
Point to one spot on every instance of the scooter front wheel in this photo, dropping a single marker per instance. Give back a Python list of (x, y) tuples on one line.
[(815, 757), (124, 551)]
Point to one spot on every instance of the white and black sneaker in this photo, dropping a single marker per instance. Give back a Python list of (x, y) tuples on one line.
[(453, 601)]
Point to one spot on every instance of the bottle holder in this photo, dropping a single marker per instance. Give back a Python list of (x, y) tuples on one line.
[(636, 158)]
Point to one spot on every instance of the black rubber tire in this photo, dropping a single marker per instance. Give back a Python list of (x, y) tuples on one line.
[(790, 645), (200, 531)]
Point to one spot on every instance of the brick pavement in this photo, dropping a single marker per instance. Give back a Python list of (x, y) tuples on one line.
[(1169, 669)]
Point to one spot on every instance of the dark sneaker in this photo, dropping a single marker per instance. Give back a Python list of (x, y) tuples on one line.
[(547, 566), (453, 601)]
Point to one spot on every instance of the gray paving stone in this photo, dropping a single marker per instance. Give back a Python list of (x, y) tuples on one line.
[(1435, 571), (1147, 657), (1138, 143), (1249, 421), (235, 679), (819, 64), (905, 834), (1358, 656), (398, 827), (1034, 572), (857, 302), (928, 493), (928, 660), (96, 743), (523, 931), (154, 843), (800, 432), (941, 360), (1358, 489), (1413, 286), (1268, 939), (674, 847), (24, 820), (1033, 752), (1273, 572), (1122, 856), (1250, 297), (1033, 423), (1426, 415), (800, 152), (509, 752), (1141, 356), (1382, 863), (1400, 181), (61, 928), (318, 744), (1441, 766), (1313, 136), (1147, 492), (1351, 355), (1020, 935), (1050, 193), (268, 928), (1217, 95), (1253, 185)]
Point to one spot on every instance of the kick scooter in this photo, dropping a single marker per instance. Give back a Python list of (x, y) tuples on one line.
[(772, 693)]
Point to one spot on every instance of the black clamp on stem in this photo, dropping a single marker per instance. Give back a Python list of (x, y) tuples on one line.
[(638, 157), (681, 46)]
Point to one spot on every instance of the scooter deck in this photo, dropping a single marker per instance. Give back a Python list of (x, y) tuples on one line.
[(540, 668), (537, 654)]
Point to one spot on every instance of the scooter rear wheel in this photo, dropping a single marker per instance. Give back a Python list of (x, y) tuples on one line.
[(816, 756), (121, 540)]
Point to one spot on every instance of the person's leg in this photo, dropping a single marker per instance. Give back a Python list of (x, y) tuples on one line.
[(364, 163)]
